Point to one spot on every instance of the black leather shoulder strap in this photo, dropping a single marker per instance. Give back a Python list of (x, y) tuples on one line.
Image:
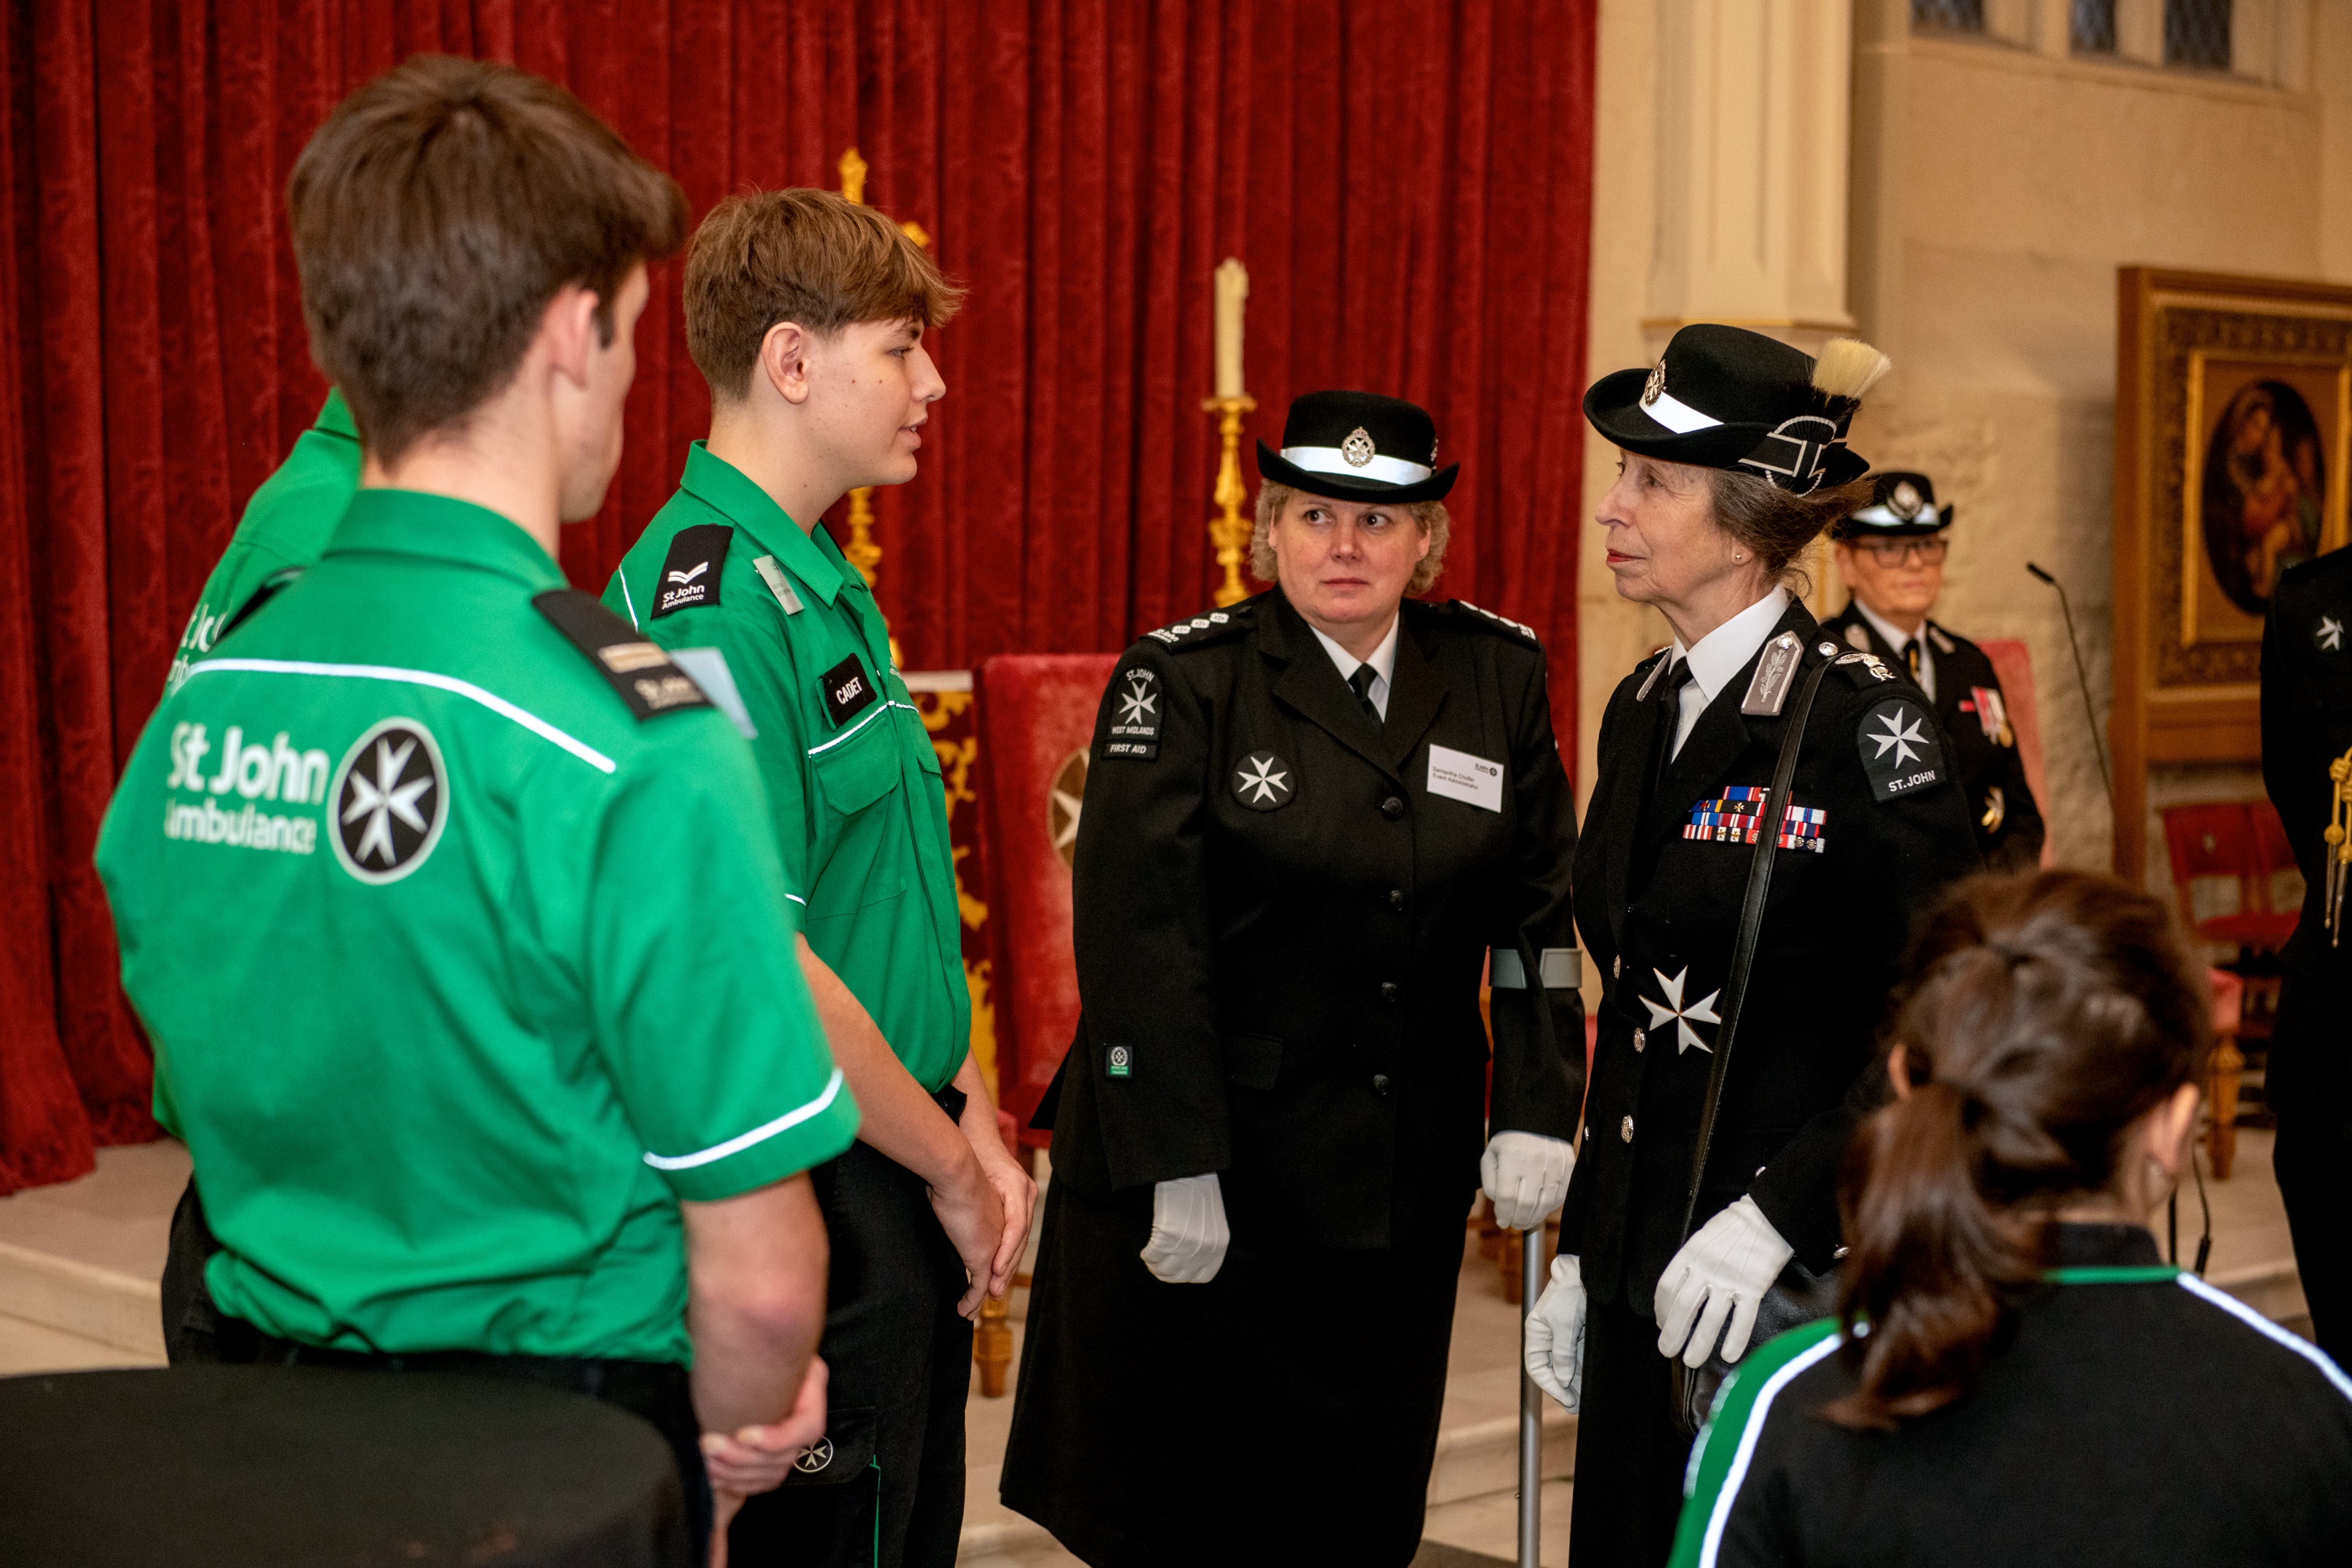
[(1751, 924)]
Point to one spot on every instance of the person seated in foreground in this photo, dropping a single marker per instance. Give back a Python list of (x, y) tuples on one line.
[(2014, 1376)]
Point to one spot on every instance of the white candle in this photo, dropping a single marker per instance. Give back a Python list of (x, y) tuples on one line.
[(1232, 289)]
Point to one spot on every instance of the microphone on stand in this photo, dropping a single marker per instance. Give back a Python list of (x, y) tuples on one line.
[(2098, 747)]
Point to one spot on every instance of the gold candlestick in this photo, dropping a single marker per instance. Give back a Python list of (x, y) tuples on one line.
[(1228, 530), (861, 551)]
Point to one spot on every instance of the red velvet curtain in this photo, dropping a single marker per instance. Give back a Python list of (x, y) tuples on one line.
[(1408, 182)]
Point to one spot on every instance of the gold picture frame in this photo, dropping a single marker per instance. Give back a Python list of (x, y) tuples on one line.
[(2233, 460)]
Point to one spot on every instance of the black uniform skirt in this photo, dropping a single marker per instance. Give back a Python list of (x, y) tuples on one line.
[(1289, 1405)]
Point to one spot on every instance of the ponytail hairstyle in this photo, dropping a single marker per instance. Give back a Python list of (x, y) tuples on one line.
[(2041, 1017)]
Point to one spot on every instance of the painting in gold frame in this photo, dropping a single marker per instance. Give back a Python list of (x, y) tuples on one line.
[(2233, 460)]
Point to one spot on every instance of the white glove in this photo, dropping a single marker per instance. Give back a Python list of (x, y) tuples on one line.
[(1554, 1343), (1188, 1231), (1526, 1176), (1724, 1269)]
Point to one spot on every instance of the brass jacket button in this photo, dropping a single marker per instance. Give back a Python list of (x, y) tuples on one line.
[(1626, 1129)]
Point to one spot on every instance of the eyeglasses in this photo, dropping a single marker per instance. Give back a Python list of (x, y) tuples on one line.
[(1895, 552)]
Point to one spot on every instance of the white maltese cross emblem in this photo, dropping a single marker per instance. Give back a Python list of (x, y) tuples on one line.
[(1899, 737), (1699, 1011), (2331, 634), (1263, 781), (1139, 705)]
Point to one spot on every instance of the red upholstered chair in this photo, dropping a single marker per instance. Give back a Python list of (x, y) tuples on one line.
[(1037, 717), (2013, 667)]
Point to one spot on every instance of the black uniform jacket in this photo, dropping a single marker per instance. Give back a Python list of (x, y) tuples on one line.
[(2307, 725), (1985, 756), (1280, 923), (2133, 1422), (1659, 884)]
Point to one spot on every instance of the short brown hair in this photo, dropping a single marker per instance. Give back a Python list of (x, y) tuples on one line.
[(1430, 517), (1776, 524), (434, 215), (802, 256)]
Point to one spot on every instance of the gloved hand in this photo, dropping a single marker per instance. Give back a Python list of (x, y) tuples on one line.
[(1554, 1344), (1188, 1231), (1722, 1272), (1526, 1176)]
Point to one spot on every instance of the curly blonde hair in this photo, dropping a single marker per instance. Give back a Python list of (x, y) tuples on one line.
[(1434, 521)]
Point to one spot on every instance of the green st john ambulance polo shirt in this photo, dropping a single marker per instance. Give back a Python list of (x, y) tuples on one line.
[(286, 525), (444, 899), (854, 789)]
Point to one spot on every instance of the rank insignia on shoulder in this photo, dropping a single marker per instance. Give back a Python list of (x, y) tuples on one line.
[(1663, 656), (1871, 662), (847, 692), (1899, 750), (1775, 668), (2331, 635), (690, 572), (1178, 631), (1943, 644), (1857, 637), (778, 584), (1134, 727), (1520, 627), (644, 675)]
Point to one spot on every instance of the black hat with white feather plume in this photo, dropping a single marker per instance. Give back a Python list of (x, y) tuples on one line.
[(1724, 397)]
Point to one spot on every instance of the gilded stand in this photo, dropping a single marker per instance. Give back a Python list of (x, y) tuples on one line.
[(1228, 530)]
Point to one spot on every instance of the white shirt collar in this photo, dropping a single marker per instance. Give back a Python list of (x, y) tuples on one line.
[(1724, 652), (1383, 659), (1896, 636)]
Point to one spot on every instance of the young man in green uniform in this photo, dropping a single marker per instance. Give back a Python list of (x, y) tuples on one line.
[(442, 893), (285, 527), (807, 315)]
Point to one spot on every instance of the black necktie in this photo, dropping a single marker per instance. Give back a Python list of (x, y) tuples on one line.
[(1670, 714), (1911, 659), (1361, 683)]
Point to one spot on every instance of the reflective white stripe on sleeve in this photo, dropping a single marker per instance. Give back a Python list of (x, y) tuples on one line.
[(1711, 1549), (467, 689), (1563, 969), (630, 600), (759, 1134), (2269, 1329)]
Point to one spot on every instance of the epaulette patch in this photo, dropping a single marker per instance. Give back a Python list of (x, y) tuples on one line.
[(1662, 657), (1857, 636), (1520, 627), (1176, 633), (690, 572), (1875, 666), (1943, 644), (270, 586), (640, 671)]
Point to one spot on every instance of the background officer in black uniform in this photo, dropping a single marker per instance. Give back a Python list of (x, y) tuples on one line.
[(1308, 819), (1734, 461), (1890, 554), (2307, 730)]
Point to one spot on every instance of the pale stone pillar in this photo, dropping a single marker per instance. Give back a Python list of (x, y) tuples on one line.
[(1753, 104)]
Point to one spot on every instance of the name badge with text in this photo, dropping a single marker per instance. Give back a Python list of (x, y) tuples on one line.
[(1458, 776)]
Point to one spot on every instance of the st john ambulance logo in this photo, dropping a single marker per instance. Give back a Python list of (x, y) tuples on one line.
[(391, 800), (1263, 781)]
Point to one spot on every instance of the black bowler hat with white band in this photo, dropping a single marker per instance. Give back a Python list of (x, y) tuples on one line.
[(1358, 446), (1902, 506), (1724, 397)]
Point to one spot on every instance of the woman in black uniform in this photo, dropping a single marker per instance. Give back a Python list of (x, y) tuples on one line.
[(1308, 819), (2033, 1388), (1734, 460)]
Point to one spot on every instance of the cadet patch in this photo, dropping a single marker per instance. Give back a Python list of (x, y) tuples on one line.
[(690, 572), (640, 671), (847, 692), (1857, 637), (1119, 1062), (2331, 634), (1262, 782), (389, 801), (1135, 715), (1898, 742)]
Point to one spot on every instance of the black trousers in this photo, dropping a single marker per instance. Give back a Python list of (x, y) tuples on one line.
[(1629, 1457), (2307, 1081), (658, 1391), (195, 1331), (887, 1485)]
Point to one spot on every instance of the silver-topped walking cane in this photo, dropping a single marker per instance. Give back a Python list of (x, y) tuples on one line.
[(1531, 1281)]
